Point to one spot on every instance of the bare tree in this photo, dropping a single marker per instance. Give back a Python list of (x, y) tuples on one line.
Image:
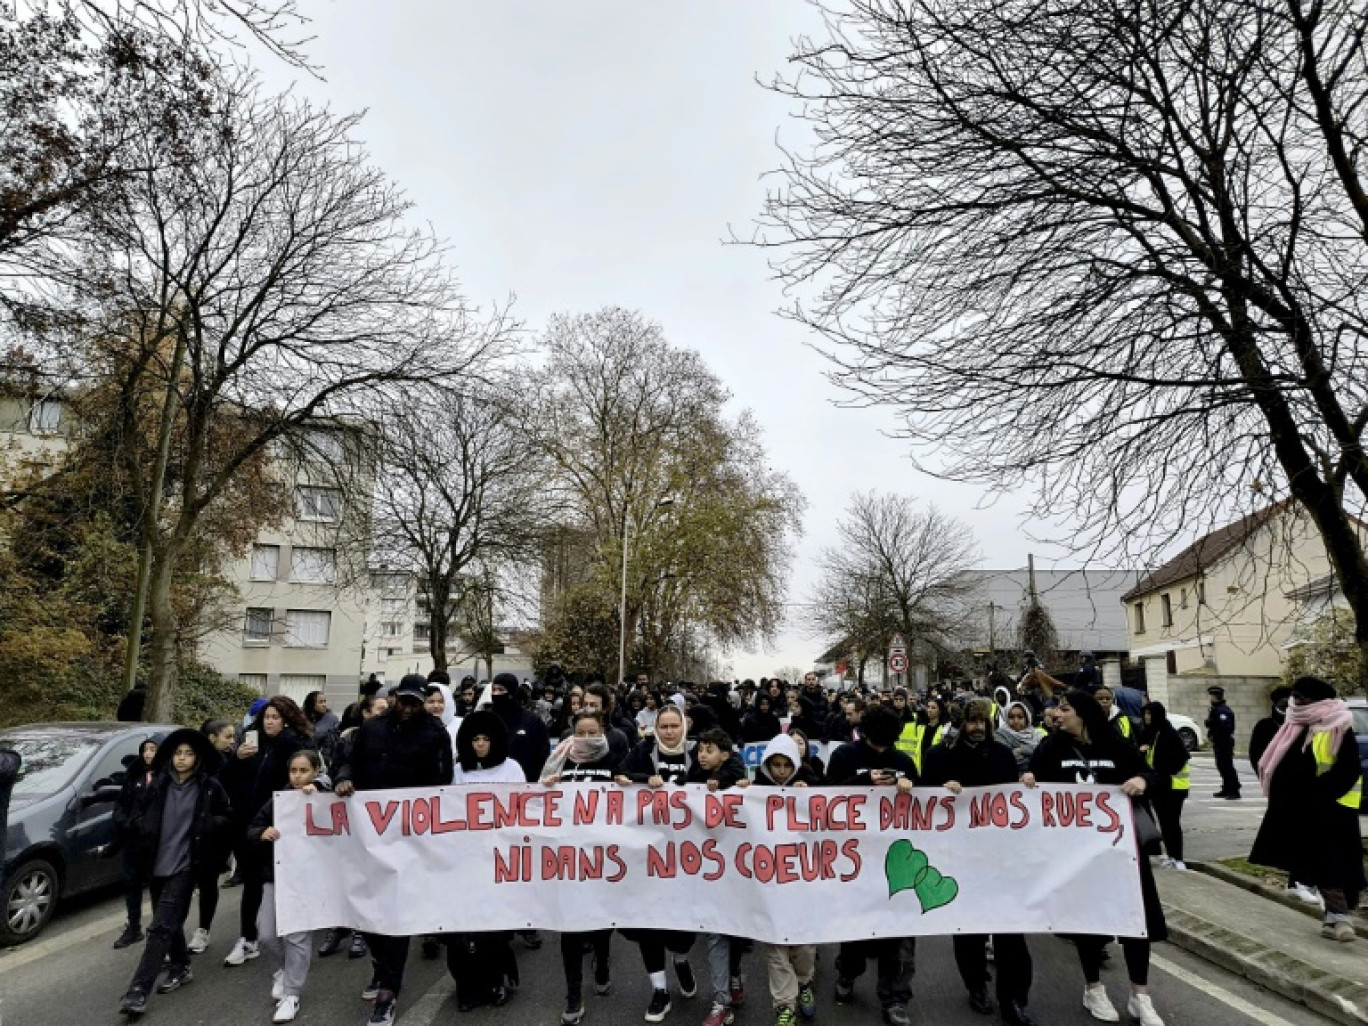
[(1116, 252), (460, 491), (266, 279), (896, 569)]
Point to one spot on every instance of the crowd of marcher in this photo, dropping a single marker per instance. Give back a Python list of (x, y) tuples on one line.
[(204, 797)]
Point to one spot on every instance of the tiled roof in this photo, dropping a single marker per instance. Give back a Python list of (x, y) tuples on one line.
[(1205, 552)]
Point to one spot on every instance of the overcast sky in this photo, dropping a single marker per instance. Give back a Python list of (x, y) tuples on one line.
[(589, 154)]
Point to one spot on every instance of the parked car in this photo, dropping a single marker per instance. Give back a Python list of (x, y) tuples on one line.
[(60, 839), (1359, 707), (1192, 732)]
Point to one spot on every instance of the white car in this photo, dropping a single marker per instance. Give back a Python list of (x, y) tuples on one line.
[(1192, 732)]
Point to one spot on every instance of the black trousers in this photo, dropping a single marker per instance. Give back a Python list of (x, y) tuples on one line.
[(132, 868), (170, 908), (209, 895), (1136, 950), (389, 955), (654, 943), (1012, 957), (572, 959), (1224, 751), (896, 960), (1168, 810)]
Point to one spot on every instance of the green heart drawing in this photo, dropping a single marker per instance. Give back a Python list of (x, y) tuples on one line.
[(904, 866), (907, 868), (936, 890)]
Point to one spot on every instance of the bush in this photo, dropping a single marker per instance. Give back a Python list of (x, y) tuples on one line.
[(202, 692)]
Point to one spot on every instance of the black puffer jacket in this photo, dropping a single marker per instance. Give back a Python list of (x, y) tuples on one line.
[(210, 832), (251, 782), (387, 752), (264, 818)]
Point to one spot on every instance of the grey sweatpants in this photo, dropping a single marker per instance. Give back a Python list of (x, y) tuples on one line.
[(293, 951)]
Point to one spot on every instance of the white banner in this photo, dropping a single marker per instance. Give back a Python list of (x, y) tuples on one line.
[(782, 865)]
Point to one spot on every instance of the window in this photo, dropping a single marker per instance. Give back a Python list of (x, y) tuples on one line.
[(298, 685), (257, 628), (265, 562), (307, 628), (255, 681), (392, 607), (421, 632), (44, 417), (1182, 598), (324, 445), (313, 566), (318, 503), (112, 767), (1139, 618), (391, 629), (1200, 588), (1166, 606)]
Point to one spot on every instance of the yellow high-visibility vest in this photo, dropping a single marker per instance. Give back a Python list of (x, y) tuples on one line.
[(910, 740), (1325, 758), (1182, 780), (1123, 724)]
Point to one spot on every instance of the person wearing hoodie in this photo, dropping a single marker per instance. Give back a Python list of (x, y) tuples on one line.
[(790, 967), (975, 759), (528, 743), (405, 747), (258, 769), (1017, 733), (584, 756), (293, 950), (761, 723), (179, 826), (137, 778), (438, 702), (1167, 756), (873, 759)]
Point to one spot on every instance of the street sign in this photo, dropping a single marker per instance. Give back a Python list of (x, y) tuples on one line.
[(897, 645), (897, 662)]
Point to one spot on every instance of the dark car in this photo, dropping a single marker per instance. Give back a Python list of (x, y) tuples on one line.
[(61, 840), (1359, 707)]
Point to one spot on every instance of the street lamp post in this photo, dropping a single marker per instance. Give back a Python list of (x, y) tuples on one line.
[(622, 605)]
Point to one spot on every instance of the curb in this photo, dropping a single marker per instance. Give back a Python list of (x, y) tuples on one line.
[(1240, 880), (1325, 993)]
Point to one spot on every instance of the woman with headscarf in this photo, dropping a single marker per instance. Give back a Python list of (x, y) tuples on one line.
[(438, 701), (1087, 750), (1017, 733), (1167, 756), (1313, 780)]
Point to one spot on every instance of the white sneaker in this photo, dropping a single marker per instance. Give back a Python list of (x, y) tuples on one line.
[(1307, 894), (286, 1010), (199, 941), (278, 985), (1140, 1007), (1179, 865), (1099, 1006), (1166, 863), (242, 951)]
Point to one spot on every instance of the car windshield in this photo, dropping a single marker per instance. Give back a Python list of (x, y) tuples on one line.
[(49, 760), (1360, 720)]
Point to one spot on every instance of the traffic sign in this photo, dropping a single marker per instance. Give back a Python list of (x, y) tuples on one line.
[(897, 645), (897, 662)]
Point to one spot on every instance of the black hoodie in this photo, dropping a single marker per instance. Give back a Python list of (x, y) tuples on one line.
[(1169, 753), (212, 813), (482, 721)]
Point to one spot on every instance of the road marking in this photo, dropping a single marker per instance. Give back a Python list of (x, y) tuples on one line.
[(1259, 1015), (423, 1012)]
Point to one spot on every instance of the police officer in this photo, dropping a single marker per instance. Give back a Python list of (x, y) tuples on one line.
[(1220, 726)]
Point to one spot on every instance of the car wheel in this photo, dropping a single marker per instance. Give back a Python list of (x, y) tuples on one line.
[(30, 899), (1189, 738)]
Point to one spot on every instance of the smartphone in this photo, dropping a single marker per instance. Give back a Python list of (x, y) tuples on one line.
[(250, 738)]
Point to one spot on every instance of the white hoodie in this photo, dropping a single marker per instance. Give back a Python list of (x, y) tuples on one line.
[(780, 744)]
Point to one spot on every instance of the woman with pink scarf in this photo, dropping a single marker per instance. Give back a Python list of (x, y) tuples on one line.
[(1310, 773)]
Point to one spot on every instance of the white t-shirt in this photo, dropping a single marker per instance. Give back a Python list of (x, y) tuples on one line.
[(506, 772)]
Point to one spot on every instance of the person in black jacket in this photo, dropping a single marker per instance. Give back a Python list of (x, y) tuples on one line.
[(815, 706), (259, 768), (137, 778), (406, 747), (1220, 726), (1086, 750), (761, 723), (873, 759), (179, 823), (977, 759), (667, 757), (528, 743), (1167, 756)]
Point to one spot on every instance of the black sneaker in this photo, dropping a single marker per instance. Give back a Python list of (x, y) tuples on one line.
[(659, 1006), (845, 990), (134, 1003), (896, 1015), (358, 947), (332, 943), (372, 990), (980, 1002), (574, 1011), (531, 938), (688, 986), (132, 933), (177, 978), (603, 978), (383, 1012)]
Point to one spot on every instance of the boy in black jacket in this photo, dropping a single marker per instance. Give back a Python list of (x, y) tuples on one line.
[(179, 825)]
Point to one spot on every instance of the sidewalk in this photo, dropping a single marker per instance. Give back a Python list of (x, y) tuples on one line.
[(1274, 946)]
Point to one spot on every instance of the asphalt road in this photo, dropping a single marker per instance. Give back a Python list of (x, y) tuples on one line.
[(71, 975), (1214, 828)]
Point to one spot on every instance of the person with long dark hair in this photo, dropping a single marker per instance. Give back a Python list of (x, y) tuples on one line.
[(259, 768), (137, 778), (1088, 750), (1167, 756)]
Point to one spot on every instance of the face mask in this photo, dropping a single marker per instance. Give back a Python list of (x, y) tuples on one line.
[(503, 703), (588, 749)]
